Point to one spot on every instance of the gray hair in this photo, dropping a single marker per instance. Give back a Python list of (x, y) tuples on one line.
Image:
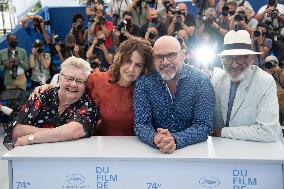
[(76, 63)]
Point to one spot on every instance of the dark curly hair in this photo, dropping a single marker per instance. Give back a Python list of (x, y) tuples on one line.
[(77, 16), (124, 53)]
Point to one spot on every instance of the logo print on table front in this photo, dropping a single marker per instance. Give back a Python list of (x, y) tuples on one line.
[(209, 182), (75, 179)]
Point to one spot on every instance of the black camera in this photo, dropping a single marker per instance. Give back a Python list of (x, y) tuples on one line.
[(176, 11), (36, 23), (115, 18), (153, 35), (121, 25), (100, 41), (257, 33), (225, 10), (274, 18), (78, 26), (210, 20), (180, 40), (269, 65), (102, 20), (240, 16), (94, 61)]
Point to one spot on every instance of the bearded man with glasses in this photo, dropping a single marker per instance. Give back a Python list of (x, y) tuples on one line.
[(246, 99), (173, 106)]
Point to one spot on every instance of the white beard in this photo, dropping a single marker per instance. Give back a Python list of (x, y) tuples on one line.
[(167, 77), (241, 77)]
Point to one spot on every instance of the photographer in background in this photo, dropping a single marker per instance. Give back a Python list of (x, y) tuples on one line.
[(139, 11), (153, 22), (92, 7), (214, 28), (14, 62), (78, 30), (116, 10), (164, 15), (126, 29), (39, 62), (278, 46), (261, 43), (99, 50), (101, 24), (273, 12), (242, 20), (182, 20), (70, 48), (245, 3), (272, 67), (38, 26)]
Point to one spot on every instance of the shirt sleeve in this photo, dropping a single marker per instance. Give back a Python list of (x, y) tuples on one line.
[(142, 115), (202, 123)]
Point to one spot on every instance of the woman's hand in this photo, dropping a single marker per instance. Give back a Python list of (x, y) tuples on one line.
[(39, 90)]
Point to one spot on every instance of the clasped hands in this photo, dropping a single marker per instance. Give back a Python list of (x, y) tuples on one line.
[(165, 141)]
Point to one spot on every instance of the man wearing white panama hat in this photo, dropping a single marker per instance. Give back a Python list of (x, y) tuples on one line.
[(246, 100)]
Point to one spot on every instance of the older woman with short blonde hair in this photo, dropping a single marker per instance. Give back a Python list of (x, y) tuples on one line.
[(62, 113)]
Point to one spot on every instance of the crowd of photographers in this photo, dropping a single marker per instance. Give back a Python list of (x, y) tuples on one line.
[(97, 41)]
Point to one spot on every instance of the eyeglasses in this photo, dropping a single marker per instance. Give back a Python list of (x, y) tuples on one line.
[(238, 59), (170, 56), (70, 79)]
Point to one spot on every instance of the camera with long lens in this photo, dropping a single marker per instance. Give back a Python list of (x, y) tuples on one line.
[(240, 16), (269, 65), (36, 23), (100, 41), (225, 10), (209, 20), (102, 20), (121, 25), (257, 33), (274, 18), (78, 26), (153, 35)]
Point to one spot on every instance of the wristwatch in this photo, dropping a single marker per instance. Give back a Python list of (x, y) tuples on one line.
[(31, 138)]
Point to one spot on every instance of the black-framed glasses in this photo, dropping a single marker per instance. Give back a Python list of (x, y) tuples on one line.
[(70, 79), (240, 59), (170, 56)]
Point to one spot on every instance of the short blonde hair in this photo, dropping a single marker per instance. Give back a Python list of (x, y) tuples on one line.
[(76, 63)]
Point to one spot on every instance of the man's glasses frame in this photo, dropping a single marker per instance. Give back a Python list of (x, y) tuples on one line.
[(170, 56)]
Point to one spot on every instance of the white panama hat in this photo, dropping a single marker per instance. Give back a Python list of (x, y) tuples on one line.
[(237, 43)]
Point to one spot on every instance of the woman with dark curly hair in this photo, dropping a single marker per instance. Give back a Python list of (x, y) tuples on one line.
[(113, 90)]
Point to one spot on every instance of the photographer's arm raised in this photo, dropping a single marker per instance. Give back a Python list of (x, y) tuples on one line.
[(90, 51), (171, 27)]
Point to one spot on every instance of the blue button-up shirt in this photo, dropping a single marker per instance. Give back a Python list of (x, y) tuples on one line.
[(188, 116)]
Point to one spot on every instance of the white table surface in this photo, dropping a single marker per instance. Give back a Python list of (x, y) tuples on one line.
[(130, 148)]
